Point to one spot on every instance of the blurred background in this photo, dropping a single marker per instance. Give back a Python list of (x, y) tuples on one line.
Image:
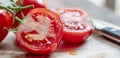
[(113, 5), (107, 10)]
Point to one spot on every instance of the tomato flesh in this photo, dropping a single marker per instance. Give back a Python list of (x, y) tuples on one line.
[(75, 24), (42, 32)]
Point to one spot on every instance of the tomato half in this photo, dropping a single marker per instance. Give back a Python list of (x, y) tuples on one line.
[(42, 32), (36, 3), (77, 28), (5, 21)]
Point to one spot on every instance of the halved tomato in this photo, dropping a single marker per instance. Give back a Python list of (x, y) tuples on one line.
[(77, 28), (42, 32)]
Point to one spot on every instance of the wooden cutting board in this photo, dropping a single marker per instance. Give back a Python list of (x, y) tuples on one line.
[(95, 47)]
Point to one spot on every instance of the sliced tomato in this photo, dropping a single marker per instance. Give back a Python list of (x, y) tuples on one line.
[(77, 28), (5, 21), (42, 32), (35, 3)]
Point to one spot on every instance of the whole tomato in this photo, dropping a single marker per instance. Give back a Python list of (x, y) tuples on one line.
[(42, 32), (77, 28), (5, 21), (35, 3)]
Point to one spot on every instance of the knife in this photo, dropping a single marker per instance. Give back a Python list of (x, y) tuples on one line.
[(106, 31)]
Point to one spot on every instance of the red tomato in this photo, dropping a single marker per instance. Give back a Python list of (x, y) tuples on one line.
[(36, 3), (75, 24), (42, 32), (5, 21)]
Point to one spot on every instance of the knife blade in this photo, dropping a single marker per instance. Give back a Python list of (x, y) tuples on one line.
[(109, 32)]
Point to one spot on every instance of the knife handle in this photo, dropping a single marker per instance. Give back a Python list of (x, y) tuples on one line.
[(112, 33)]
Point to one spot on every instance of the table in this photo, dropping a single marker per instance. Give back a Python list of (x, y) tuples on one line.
[(95, 47)]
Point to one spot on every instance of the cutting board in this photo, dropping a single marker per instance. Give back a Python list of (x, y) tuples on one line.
[(95, 46)]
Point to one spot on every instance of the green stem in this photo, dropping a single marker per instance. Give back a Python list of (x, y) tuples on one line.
[(23, 21), (3, 7), (21, 2), (13, 3), (21, 8), (29, 6), (18, 19), (23, 16)]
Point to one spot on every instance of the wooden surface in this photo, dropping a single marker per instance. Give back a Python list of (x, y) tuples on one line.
[(95, 47)]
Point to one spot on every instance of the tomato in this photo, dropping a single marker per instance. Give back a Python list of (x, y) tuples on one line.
[(5, 21), (36, 3), (77, 28), (5, 18), (42, 32)]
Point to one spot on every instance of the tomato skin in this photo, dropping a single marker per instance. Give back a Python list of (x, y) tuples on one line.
[(3, 33), (78, 37), (5, 21), (36, 3), (34, 47), (5, 18), (75, 35)]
